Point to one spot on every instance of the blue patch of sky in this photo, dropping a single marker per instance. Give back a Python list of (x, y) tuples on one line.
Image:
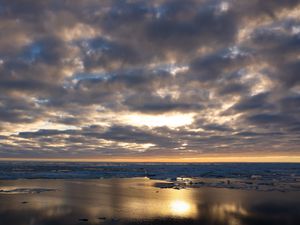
[(127, 9), (32, 52), (41, 101), (76, 78), (90, 46), (100, 44), (159, 12), (91, 76)]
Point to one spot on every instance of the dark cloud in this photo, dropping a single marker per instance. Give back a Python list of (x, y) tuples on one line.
[(211, 67), (270, 119), (290, 104), (101, 53), (233, 88), (157, 104), (288, 74), (259, 102), (128, 134), (216, 127), (204, 27)]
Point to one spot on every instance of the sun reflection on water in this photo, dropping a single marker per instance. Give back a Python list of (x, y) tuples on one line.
[(180, 207), (181, 204), (129, 200)]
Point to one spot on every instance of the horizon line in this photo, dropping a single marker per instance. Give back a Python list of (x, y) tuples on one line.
[(235, 159)]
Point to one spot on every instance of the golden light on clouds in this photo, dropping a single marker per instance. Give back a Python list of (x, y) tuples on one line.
[(191, 159), (171, 120)]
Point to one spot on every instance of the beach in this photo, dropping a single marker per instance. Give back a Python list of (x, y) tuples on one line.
[(139, 201)]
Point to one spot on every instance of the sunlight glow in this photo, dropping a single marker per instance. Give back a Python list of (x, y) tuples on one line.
[(179, 207), (170, 120)]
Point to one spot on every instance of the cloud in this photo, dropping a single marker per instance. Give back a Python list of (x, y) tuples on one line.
[(149, 78), (259, 101)]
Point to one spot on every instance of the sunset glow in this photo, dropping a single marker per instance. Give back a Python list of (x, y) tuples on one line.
[(157, 80)]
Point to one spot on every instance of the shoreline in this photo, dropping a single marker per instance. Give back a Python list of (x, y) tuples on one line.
[(130, 201), (180, 183)]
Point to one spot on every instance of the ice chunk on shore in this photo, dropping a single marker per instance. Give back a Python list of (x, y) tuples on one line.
[(24, 190)]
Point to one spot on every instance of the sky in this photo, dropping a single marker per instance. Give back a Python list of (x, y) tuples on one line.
[(136, 80)]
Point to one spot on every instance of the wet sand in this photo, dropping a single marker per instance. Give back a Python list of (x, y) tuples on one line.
[(139, 201)]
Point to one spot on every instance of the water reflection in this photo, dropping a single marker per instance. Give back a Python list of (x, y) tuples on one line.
[(179, 207), (228, 213), (136, 201)]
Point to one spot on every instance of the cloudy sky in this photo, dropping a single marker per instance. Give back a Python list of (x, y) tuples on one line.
[(159, 79)]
